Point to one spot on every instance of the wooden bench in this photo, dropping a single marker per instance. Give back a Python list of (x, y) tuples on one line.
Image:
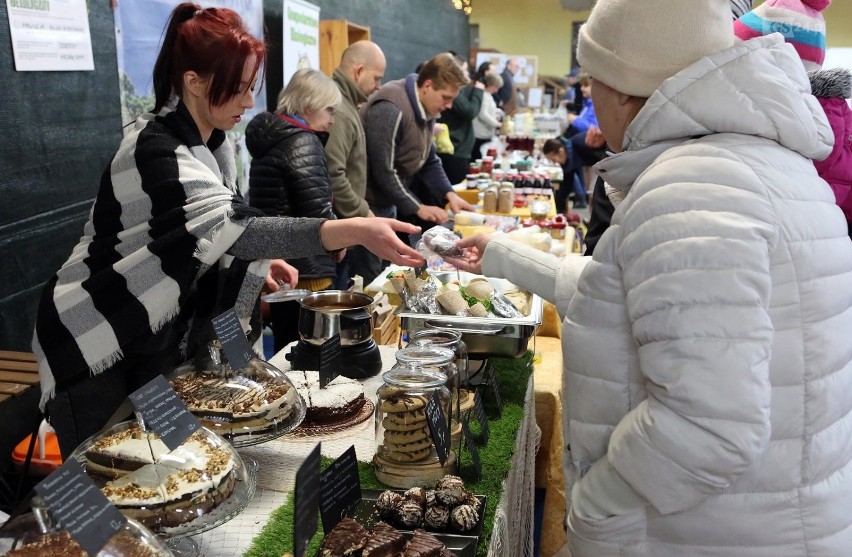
[(18, 372)]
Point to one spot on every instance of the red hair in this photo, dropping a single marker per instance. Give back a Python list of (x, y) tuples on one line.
[(213, 43)]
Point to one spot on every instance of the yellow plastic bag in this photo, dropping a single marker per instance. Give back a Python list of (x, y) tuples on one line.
[(442, 140)]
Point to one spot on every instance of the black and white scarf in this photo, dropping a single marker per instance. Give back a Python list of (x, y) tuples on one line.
[(165, 215)]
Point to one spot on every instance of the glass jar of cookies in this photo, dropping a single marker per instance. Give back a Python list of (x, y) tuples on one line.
[(403, 437), (457, 373), (425, 353)]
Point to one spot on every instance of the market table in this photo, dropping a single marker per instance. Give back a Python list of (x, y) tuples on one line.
[(512, 531)]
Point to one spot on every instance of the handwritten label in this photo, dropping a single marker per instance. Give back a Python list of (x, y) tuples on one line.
[(78, 506), (481, 417), (491, 379), (437, 422), (233, 338), (472, 449), (306, 502), (163, 412), (340, 489), (330, 360)]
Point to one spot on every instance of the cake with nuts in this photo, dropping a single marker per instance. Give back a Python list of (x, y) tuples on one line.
[(158, 487)]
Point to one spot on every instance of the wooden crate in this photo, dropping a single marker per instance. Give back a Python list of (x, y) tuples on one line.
[(388, 331)]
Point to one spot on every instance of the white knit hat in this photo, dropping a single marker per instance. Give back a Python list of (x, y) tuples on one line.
[(635, 45)]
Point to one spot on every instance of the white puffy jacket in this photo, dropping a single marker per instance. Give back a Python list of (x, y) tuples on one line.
[(708, 343)]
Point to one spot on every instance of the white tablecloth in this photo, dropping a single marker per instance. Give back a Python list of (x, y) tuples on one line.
[(280, 459)]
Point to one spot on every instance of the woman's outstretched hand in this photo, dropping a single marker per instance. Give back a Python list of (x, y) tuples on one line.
[(471, 259), (377, 234)]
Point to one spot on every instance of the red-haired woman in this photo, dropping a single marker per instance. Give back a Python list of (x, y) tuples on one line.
[(169, 242)]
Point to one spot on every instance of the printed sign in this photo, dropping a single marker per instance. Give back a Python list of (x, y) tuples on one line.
[(330, 360), (438, 427), (340, 489), (233, 338), (306, 502), (163, 412), (301, 37), (78, 506)]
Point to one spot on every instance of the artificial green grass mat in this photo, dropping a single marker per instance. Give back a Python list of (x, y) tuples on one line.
[(276, 538)]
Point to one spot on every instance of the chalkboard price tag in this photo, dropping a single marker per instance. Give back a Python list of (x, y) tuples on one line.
[(163, 412), (306, 502), (481, 417), (234, 343), (340, 489), (438, 427), (472, 449), (330, 358), (491, 379), (78, 506)]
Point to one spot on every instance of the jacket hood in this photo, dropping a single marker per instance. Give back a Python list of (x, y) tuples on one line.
[(755, 88), (835, 83), (349, 89), (267, 130)]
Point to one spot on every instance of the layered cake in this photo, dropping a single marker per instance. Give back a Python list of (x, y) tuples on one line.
[(384, 541), (157, 487), (237, 403), (62, 544), (339, 400)]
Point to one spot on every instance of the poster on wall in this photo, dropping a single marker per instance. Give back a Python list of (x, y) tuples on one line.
[(139, 27), (50, 35), (527, 75), (301, 37)]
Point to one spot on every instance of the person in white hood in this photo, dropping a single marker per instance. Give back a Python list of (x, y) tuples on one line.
[(708, 366)]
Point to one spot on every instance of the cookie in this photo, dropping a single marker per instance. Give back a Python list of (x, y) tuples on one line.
[(437, 517), (403, 437), (408, 447), (463, 518), (416, 494), (392, 423), (450, 490), (407, 456), (402, 403), (408, 417), (409, 514), (387, 502)]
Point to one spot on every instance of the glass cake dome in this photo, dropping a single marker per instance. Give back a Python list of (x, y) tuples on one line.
[(246, 406), (36, 535), (201, 484)]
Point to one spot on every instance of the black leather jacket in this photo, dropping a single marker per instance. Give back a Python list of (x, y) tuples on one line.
[(289, 177)]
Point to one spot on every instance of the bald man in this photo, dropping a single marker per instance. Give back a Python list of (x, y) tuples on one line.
[(360, 73)]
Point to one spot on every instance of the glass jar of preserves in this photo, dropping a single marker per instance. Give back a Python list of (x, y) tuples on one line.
[(403, 437)]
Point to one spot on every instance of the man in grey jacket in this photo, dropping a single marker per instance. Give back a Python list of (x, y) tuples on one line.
[(360, 74), (398, 122)]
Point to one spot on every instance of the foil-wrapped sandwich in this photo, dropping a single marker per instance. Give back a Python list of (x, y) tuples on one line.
[(440, 241)]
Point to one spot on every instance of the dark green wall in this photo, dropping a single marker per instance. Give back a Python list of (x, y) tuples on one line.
[(60, 129)]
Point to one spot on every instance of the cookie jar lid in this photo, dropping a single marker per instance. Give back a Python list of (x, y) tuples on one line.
[(423, 352)]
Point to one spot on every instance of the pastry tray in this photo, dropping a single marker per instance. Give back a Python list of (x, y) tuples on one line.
[(461, 546), (364, 513)]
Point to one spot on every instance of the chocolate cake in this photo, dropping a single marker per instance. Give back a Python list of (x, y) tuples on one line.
[(423, 544), (62, 545), (241, 405), (162, 488), (384, 541), (345, 539), (337, 401)]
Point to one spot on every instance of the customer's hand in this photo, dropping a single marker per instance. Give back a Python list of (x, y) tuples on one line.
[(457, 203), (474, 248), (280, 272), (432, 214), (595, 138)]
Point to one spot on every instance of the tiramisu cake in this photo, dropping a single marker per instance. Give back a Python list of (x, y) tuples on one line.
[(337, 401), (236, 405), (157, 487)]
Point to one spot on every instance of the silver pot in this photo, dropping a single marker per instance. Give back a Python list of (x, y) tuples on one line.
[(329, 312)]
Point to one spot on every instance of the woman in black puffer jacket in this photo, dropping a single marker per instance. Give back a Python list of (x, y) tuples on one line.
[(289, 176)]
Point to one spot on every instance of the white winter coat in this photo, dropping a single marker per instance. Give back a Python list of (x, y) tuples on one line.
[(708, 343)]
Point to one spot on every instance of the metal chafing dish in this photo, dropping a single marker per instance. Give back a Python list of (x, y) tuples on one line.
[(484, 336)]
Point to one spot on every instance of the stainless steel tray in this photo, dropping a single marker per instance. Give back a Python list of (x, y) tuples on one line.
[(484, 336)]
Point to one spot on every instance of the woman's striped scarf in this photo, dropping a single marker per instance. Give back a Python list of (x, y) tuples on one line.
[(165, 215)]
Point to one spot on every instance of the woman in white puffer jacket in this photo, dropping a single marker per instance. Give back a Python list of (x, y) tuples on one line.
[(708, 360)]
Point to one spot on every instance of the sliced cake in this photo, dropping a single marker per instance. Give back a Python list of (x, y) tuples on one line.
[(345, 539), (337, 401), (384, 541), (424, 544)]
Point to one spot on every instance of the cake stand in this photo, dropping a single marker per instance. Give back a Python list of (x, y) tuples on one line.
[(178, 537)]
